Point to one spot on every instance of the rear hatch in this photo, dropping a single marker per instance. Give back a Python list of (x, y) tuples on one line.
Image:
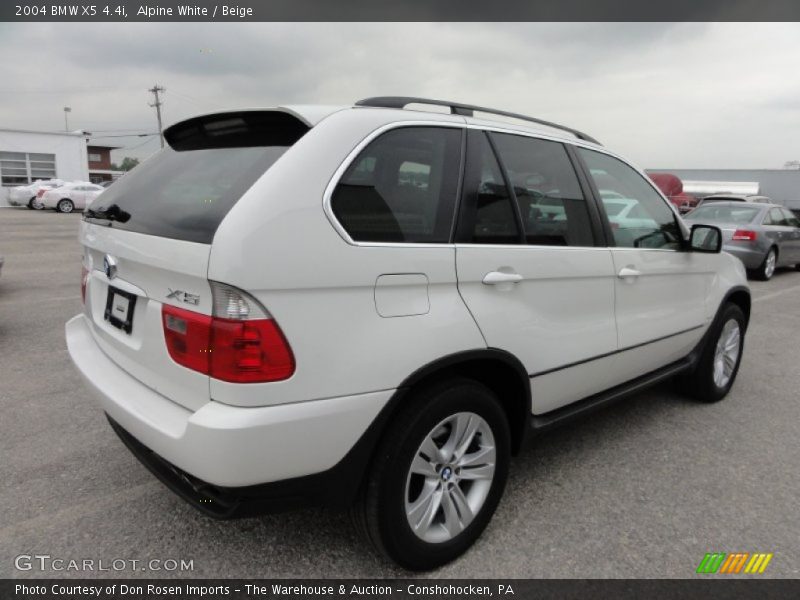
[(147, 238)]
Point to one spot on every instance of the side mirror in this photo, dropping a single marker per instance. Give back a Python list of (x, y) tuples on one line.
[(705, 238)]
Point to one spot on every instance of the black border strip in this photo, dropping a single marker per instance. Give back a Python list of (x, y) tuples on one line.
[(607, 354)]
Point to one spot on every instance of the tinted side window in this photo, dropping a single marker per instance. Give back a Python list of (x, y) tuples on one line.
[(789, 219), (776, 217), (493, 220), (402, 187), (645, 220), (552, 206)]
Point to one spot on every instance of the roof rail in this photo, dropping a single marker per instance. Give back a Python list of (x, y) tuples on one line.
[(465, 110)]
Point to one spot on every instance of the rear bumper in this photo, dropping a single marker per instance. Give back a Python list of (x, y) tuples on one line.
[(751, 257), (220, 445)]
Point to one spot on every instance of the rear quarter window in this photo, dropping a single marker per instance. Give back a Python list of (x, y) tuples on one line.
[(402, 187)]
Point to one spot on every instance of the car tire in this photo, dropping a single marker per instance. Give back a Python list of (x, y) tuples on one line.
[(32, 203), (716, 369), (65, 206), (450, 498), (767, 268)]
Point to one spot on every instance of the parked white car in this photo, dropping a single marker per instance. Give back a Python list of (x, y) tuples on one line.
[(365, 306), (25, 195), (70, 196)]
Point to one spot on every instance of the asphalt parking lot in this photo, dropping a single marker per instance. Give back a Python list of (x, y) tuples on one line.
[(642, 489)]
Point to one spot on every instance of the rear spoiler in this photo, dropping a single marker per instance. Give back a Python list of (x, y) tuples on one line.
[(236, 129)]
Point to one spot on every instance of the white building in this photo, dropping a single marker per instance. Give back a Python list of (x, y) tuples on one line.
[(26, 156)]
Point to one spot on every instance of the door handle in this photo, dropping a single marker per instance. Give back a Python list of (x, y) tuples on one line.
[(625, 272), (496, 277)]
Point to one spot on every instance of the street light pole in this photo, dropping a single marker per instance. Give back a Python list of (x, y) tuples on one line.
[(67, 109)]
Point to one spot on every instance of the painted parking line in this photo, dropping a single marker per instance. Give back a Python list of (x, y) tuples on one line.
[(776, 294)]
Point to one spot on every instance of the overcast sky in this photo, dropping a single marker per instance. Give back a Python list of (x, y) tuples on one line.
[(665, 95)]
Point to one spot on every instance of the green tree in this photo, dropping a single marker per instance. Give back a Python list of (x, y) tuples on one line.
[(126, 165)]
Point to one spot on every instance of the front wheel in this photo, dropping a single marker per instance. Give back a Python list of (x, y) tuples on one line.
[(719, 362), (65, 206), (437, 476)]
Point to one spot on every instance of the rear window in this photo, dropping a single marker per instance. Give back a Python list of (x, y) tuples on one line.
[(184, 191), (727, 214)]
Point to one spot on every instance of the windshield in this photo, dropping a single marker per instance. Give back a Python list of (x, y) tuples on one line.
[(725, 214)]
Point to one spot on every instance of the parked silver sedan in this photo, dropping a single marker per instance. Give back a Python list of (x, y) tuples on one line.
[(763, 236)]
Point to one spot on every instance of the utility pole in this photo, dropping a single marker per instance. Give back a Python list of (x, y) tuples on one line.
[(67, 109), (157, 104)]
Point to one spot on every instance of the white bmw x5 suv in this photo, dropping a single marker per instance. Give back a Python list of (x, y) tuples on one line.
[(374, 307)]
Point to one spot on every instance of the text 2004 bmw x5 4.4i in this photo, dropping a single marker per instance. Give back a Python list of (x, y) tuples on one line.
[(374, 307)]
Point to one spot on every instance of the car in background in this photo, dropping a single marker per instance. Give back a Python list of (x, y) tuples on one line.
[(762, 236), (26, 195), (71, 196), (736, 198), (627, 213), (672, 187)]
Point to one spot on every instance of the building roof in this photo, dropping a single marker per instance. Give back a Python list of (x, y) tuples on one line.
[(76, 133)]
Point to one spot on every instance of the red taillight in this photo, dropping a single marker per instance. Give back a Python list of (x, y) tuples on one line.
[(188, 336), (744, 235), (239, 351), (249, 351), (84, 278)]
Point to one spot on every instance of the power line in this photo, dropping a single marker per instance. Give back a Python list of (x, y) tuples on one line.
[(138, 145), (157, 104), (190, 99)]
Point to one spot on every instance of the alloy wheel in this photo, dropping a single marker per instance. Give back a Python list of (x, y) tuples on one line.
[(450, 477), (769, 265), (726, 354)]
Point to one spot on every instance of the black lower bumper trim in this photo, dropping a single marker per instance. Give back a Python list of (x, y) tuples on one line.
[(223, 502), (337, 487)]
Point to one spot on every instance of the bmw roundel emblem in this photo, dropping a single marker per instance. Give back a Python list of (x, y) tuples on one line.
[(110, 266)]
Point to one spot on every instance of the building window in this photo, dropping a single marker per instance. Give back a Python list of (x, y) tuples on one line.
[(94, 157), (22, 168)]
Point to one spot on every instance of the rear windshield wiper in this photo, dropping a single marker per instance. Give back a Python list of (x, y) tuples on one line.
[(111, 213)]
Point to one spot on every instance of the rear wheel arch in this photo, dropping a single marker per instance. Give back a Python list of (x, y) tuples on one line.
[(496, 369)]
